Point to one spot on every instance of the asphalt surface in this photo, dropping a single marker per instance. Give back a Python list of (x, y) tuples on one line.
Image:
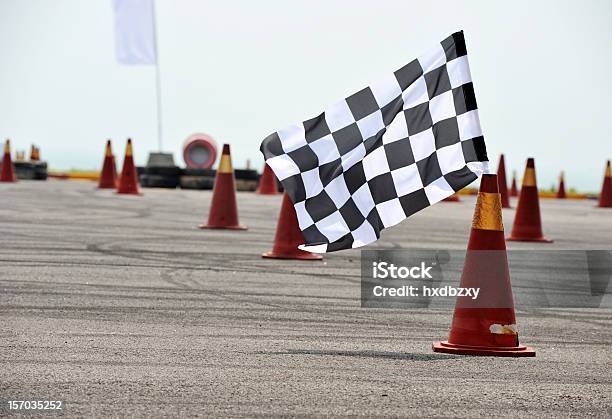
[(120, 306)]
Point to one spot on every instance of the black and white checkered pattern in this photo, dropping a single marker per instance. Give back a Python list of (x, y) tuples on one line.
[(384, 153)]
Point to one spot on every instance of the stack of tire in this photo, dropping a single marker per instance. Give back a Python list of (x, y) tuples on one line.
[(246, 179), (197, 178), (30, 170), (160, 172)]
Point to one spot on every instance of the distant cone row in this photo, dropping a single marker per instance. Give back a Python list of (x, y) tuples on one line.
[(223, 212)]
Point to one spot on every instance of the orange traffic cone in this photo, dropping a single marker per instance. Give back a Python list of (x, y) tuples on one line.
[(223, 208), (289, 236), (514, 189), (527, 222), (108, 176), (34, 153), (561, 191), (485, 326), (267, 182), (128, 182), (7, 174), (452, 198), (503, 185), (605, 199)]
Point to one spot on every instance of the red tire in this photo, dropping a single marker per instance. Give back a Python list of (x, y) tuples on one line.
[(200, 151)]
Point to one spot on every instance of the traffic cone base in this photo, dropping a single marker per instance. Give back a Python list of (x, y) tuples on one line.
[(535, 240), (288, 236), (299, 255), (223, 213), (234, 227), (510, 351), (129, 193)]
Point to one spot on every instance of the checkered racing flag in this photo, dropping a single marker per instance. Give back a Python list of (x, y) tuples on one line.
[(384, 153)]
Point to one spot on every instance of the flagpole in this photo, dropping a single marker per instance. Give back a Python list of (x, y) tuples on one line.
[(157, 82)]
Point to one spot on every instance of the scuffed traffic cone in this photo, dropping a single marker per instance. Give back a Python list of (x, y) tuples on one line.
[(514, 189), (267, 182), (527, 222), (289, 236), (223, 208), (485, 326), (7, 173), (503, 185), (561, 191), (452, 198), (128, 182), (108, 176), (605, 199)]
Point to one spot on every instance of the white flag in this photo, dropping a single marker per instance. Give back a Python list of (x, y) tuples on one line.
[(135, 32)]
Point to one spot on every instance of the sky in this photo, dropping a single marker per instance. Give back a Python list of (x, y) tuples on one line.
[(240, 70)]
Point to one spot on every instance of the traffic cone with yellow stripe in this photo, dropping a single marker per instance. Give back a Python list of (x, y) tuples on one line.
[(289, 236), (561, 190), (514, 189), (128, 182), (7, 173), (267, 182), (605, 199), (503, 185), (485, 326), (527, 222), (108, 176), (223, 208)]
